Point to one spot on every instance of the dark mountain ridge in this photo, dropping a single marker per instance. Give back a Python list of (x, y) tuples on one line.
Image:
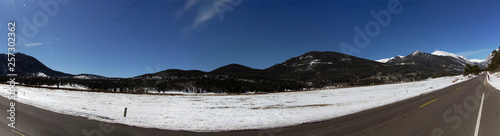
[(311, 70), (29, 66)]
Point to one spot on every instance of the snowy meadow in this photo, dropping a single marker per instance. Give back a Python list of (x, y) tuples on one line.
[(210, 113)]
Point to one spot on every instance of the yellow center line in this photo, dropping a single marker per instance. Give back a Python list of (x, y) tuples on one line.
[(17, 132), (457, 88), (427, 103)]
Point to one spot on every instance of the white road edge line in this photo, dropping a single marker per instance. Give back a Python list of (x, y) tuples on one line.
[(478, 121)]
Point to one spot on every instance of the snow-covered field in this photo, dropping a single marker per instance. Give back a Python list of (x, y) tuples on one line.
[(204, 113), (494, 80)]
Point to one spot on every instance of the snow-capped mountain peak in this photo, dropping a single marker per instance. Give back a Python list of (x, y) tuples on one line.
[(487, 61), (388, 59), (444, 53), (416, 52)]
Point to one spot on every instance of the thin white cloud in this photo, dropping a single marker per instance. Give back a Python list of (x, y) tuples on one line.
[(205, 13), (203, 17), (33, 44), (189, 4), (468, 53)]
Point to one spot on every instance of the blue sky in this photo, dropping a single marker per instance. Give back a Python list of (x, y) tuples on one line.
[(126, 38)]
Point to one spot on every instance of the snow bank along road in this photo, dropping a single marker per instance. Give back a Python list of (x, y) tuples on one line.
[(449, 111)]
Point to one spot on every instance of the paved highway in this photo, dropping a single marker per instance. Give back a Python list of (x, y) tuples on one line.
[(452, 111)]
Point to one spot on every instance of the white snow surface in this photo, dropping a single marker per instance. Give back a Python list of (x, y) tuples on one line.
[(494, 80), (210, 113), (69, 86), (477, 60), (40, 74), (384, 60), (81, 77)]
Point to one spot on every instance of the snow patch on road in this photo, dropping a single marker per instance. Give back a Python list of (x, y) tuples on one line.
[(210, 113)]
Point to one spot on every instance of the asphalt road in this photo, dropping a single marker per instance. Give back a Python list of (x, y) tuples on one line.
[(452, 111)]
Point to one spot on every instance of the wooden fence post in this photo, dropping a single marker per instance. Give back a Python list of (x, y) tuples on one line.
[(125, 112)]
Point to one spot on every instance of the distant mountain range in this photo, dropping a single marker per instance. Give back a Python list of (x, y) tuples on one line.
[(310, 70), (438, 59), (452, 61)]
